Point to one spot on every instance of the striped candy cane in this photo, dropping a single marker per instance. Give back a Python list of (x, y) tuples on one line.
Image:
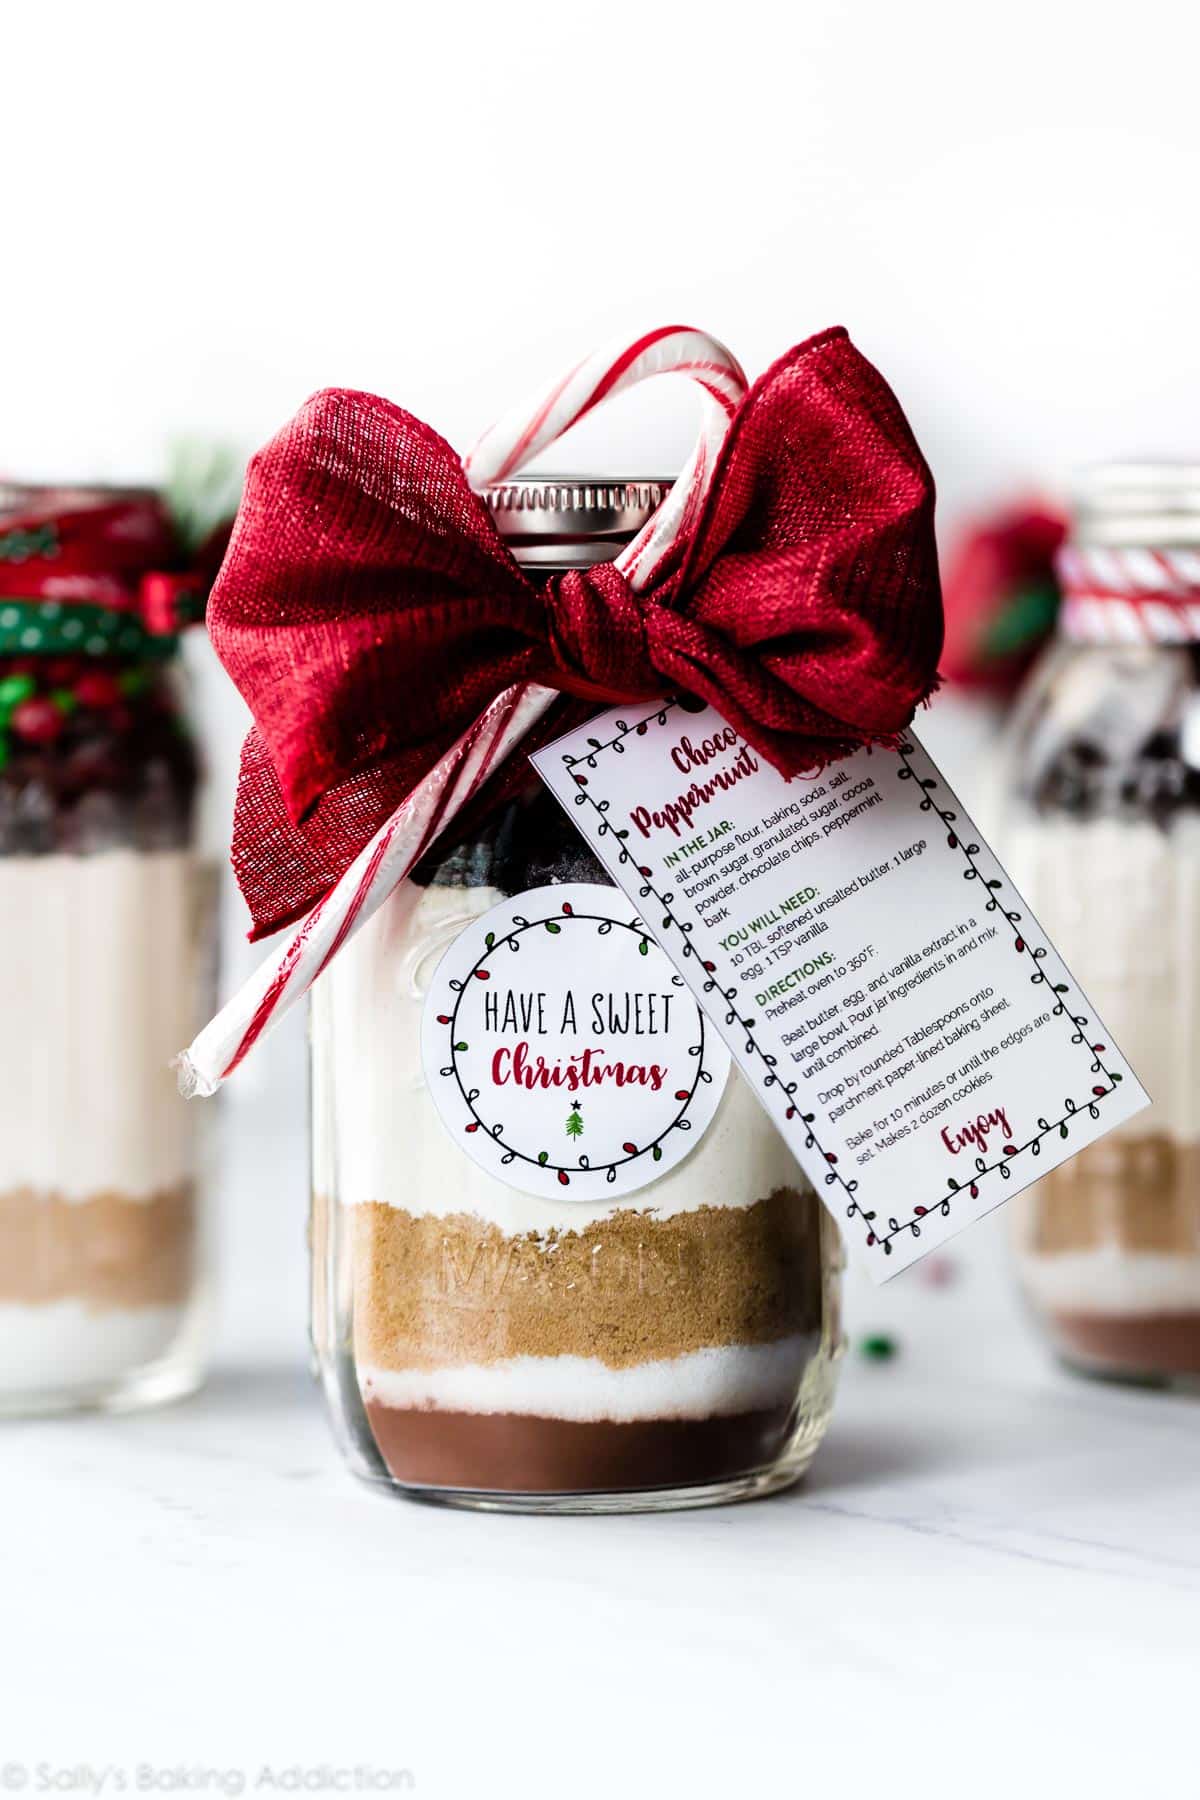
[(517, 438), (288, 973)]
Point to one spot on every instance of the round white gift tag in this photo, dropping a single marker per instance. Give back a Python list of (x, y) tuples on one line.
[(562, 1050)]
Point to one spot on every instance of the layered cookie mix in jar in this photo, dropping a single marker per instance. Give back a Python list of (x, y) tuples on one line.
[(561, 1256), (563, 1260), (1104, 840), (105, 906)]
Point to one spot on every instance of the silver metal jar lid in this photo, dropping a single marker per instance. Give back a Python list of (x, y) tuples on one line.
[(570, 521), (1144, 504)]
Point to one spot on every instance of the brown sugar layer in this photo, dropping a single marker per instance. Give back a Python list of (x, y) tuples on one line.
[(1142, 1193), (437, 1292), (108, 1251), (1149, 1345), (513, 1453)]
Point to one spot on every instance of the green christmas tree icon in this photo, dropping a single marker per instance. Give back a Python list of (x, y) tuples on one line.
[(575, 1120)]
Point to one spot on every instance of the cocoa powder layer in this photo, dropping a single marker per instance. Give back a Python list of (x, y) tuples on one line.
[(1141, 1193), (1150, 1346), (108, 1251), (512, 1453), (435, 1292)]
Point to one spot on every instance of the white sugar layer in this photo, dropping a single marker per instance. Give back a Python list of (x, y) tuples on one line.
[(98, 990), (1114, 1281), (702, 1384)]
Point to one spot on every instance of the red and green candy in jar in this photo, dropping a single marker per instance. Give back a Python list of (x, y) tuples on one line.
[(39, 697), (96, 586)]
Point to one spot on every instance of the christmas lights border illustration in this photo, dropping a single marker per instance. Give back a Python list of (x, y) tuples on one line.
[(554, 923), (970, 852)]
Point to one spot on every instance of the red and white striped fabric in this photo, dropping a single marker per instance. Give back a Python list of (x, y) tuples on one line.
[(288, 973), (1131, 596)]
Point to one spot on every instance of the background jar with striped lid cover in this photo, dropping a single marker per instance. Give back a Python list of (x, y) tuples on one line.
[(107, 908), (1103, 836)]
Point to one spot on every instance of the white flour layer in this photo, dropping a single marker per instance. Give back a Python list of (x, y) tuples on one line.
[(1121, 901), (377, 1134), (68, 1344), (98, 990)]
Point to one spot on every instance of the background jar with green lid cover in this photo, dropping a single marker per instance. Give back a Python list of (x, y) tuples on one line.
[(107, 956), (609, 1315), (1103, 837)]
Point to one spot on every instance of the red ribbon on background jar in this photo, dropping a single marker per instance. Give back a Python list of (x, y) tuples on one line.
[(393, 653), (87, 573)]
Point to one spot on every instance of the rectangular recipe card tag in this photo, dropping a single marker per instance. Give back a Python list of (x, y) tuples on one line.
[(883, 987)]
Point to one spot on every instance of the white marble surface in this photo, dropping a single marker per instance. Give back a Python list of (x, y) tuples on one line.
[(990, 1583)]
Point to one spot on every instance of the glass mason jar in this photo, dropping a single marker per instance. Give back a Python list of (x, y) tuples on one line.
[(623, 1296), (105, 906), (1104, 840)]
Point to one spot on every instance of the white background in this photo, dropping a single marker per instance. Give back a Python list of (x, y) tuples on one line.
[(212, 210)]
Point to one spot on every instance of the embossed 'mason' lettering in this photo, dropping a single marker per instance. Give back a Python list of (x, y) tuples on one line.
[(641, 1269), (655, 1274), (482, 1273), (469, 1275), (487, 1272)]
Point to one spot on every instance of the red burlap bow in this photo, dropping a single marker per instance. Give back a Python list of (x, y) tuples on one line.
[(368, 610)]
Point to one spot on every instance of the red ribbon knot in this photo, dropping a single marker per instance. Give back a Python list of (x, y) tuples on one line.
[(598, 628)]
